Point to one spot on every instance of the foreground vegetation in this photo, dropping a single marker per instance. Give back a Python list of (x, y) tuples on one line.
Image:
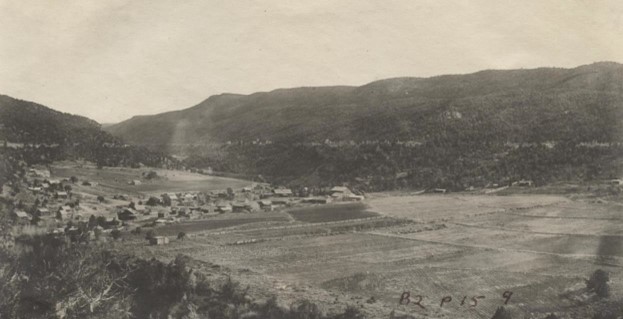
[(52, 278)]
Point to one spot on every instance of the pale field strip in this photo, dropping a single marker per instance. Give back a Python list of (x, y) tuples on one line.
[(502, 249), (566, 217), (308, 225), (530, 231)]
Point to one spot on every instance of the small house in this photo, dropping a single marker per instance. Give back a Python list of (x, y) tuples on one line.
[(340, 192), (34, 189), (279, 202), (266, 205), (440, 190), (140, 208), (42, 211), (525, 183), (65, 209), (21, 216), (62, 195), (206, 209), (317, 200), (282, 192), (353, 198), (127, 214), (223, 208), (135, 182), (159, 240), (39, 172), (183, 211), (241, 207)]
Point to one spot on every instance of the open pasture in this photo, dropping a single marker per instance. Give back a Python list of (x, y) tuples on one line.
[(450, 206), (116, 179)]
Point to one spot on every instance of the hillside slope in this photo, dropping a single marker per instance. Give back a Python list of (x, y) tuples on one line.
[(29, 122), (545, 104), (60, 136)]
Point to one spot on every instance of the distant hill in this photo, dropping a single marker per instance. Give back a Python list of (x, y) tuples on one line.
[(546, 104), (59, 136), (28, 122)]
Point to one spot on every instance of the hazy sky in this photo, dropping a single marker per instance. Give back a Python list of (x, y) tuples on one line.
[(112, 59)]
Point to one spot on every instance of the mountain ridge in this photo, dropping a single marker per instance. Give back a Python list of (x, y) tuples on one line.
[(407, 108)]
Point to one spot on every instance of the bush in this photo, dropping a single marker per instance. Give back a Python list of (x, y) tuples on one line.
[(166, 200), (598, 283), (153, 201), (116, 234), (151, 175), (150, 234), (501, 313)]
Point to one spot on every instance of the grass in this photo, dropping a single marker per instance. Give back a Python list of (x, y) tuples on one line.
[(330, 213)]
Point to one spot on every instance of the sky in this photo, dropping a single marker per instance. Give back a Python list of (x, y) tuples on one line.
[(110, 60)]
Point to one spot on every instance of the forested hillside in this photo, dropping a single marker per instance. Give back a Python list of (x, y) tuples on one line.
[(548, 104), (45, 135)]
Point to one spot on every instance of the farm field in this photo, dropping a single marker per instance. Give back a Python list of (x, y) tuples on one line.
[(331, 212), (539, 247), (213, 223)]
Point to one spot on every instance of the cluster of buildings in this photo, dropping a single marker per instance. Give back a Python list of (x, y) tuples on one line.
[(255, 198)]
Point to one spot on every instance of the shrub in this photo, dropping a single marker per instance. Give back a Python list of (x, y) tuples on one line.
[(151, 175), (116, 234), (598, 283), (153, 201), (150, 234), (501, 313)]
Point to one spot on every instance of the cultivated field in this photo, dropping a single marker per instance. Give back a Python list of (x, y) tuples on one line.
[(331, 212), (540, 248)]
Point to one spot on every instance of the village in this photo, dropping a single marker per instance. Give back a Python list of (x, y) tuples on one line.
[(84, 209)]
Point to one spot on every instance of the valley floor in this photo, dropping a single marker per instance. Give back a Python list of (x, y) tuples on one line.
[(539, 247)]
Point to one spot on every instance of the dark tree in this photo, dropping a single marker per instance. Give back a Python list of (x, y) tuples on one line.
[(116, 234), (166, 200), (150, 234), (92, 222), (153, 201), (151, 175)]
